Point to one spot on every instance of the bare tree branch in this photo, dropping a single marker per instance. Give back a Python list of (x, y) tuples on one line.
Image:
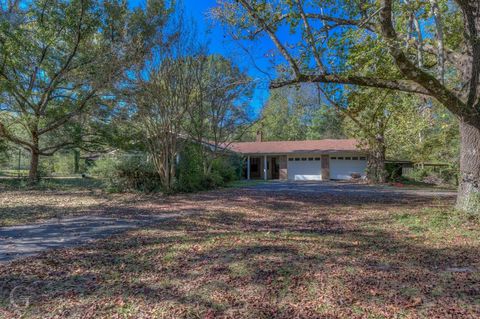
[(310, 38), (273, 37), (410, 71), (399, 85)]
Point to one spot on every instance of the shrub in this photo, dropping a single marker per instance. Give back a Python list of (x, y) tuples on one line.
[(223, 171), (63, 163), (444, 176), (191, 176), (60, 164), (45, 166), (190, 171), (394, 171), (126, 172), (136, 172), (4, 154)]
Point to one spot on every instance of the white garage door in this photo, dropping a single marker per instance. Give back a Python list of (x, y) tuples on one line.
[(304, 169), (344, 167)]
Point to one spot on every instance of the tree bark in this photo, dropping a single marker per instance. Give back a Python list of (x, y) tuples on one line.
[(76, 161), (33, 176), (376, 171), (468, 198)]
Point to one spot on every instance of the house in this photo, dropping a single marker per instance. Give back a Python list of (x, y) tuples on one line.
[(336, 159)]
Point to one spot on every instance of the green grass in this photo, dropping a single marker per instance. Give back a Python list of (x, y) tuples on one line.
[(52, 183), (440, 222), (13, 172)]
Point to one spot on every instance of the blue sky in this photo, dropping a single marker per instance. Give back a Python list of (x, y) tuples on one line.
[(220, 42)]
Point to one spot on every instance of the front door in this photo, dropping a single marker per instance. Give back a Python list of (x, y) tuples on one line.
[(275, 168)]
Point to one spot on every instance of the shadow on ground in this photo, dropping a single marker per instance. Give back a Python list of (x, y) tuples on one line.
[(259, 254)]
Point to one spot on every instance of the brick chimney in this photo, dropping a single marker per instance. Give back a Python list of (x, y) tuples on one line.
[(259, 136)]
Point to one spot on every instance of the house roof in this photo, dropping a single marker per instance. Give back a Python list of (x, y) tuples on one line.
[(291, 147)]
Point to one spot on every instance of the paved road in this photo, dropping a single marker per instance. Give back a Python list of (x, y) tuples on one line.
[(28, 240)]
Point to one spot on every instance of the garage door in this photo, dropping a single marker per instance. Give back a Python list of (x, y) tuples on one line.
[(304, 169), (344, 167)]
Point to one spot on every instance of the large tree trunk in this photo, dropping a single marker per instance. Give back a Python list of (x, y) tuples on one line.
[(376, 171), (33, 175), (469, 180)]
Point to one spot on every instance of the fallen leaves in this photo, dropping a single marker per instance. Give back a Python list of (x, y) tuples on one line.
[(247, 254)]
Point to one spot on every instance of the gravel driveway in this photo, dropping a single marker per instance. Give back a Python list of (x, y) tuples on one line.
[(27, 240), (347, 189)]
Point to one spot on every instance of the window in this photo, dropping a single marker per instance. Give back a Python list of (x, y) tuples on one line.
[(310, 158), (347, 158), (334, 158), (304, 159), (290, 159), (363, 158), (340, 158), (297, 159), (317, 158), (355, 158)]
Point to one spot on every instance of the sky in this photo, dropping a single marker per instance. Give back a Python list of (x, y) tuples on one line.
[(219, 42)]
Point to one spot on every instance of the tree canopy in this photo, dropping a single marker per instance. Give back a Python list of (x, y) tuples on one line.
[(62, 59), (431, 47)]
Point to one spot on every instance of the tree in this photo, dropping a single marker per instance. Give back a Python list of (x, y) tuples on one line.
[(163, 99), (325, 123), (298, 113), (282, 118), (370, 115), (423, 132), (62, 61), (443, 63), (219, 114)]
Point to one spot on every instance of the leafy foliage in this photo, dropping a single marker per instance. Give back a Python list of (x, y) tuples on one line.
[(297, 113), (192, 177), (62, 62), (126, 172)]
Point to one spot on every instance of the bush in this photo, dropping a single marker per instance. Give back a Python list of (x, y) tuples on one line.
[(191, 176), (126, 172), (190, 171), (45, 166), (394, 171), (4, 154), (443, 176), (229, 169), (136, 172), (63, 163)]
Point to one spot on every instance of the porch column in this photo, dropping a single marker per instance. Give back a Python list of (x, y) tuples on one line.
[(265, 167), (248, 167)]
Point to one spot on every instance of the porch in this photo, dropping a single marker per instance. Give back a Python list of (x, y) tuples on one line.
[(266, 167)]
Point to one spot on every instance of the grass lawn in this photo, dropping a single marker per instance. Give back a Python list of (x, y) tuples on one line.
[(51, 183), (13, 172), (253, 254)]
